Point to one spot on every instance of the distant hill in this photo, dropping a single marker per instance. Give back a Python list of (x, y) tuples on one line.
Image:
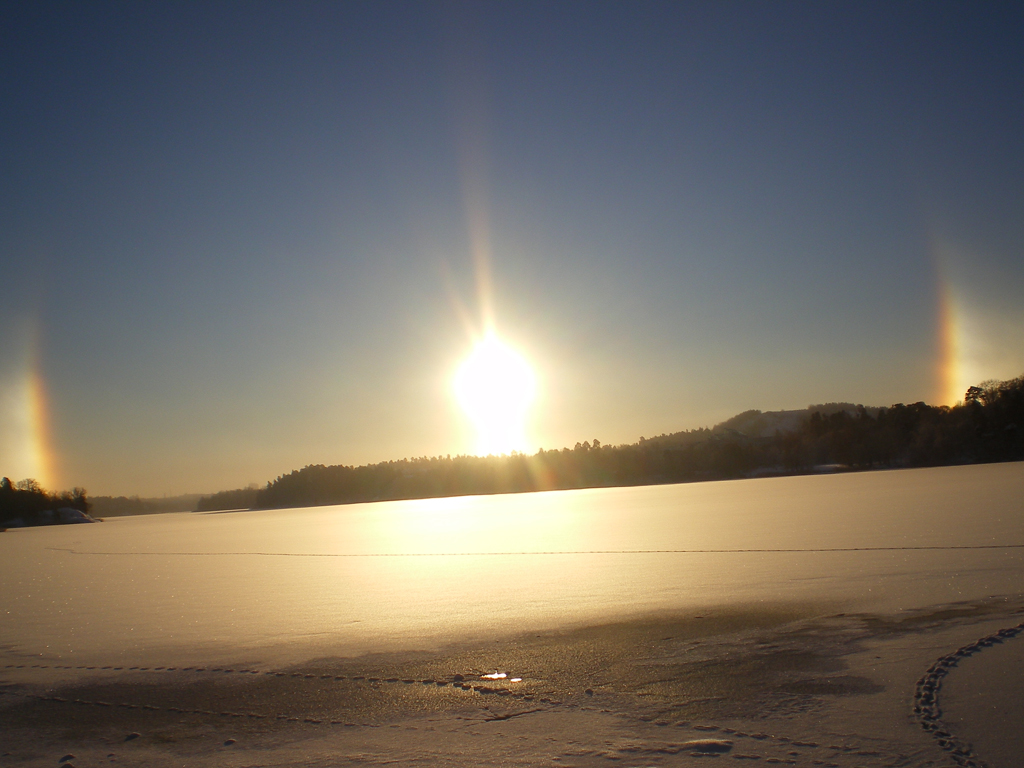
[(240, 498), (768, 423), (119, 506), (758, 424)]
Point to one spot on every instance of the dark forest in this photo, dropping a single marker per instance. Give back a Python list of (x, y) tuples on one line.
[(27, 503), (837, 437)]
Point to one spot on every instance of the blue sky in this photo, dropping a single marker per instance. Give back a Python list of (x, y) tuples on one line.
[(235, 237)]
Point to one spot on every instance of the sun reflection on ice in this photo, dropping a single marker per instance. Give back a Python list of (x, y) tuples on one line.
[(501, 676)]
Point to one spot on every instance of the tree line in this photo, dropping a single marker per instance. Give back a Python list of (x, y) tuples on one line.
[(986, 427), (28, 503)]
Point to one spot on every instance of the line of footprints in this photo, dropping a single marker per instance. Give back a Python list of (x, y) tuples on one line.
[(701, 746), (926, 702), (926, 697)]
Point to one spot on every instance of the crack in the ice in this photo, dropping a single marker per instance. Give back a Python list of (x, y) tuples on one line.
[(811, 550)]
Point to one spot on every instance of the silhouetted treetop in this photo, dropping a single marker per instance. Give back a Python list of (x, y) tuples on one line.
[(26, 503)]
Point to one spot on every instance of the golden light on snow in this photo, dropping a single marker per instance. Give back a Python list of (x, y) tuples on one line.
[(495, 386)]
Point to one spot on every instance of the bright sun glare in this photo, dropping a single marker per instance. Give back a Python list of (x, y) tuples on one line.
[(495, 387)]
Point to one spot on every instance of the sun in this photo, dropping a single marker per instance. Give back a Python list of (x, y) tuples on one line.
[(495, 386)]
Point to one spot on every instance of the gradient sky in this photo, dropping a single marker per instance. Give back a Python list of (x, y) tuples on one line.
[(238, 238)]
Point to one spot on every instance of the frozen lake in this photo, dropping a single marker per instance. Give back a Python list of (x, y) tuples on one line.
[(287, 585)]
